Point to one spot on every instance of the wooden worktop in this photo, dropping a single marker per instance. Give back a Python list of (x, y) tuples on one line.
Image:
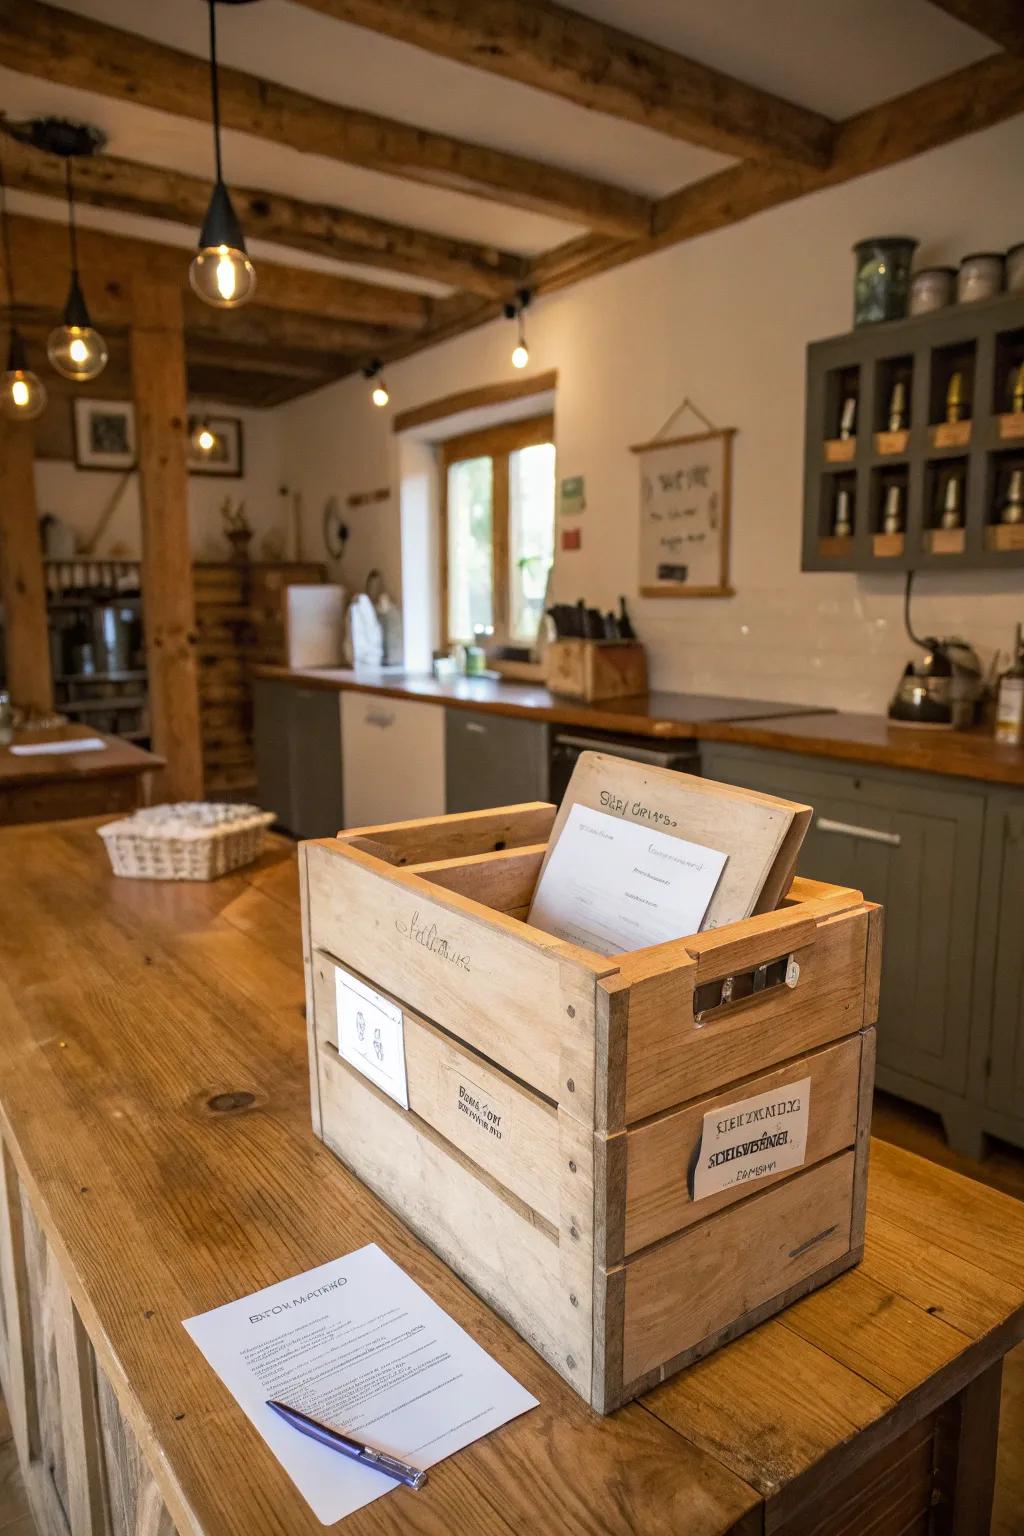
[(670, 716), (118, 757), (153, 1098), (814, 730)]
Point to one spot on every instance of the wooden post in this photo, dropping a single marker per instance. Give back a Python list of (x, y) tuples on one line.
[(161, 423), (22, 585)]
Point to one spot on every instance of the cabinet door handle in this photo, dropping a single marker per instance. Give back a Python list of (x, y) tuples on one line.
[(867, 834), (377, 717), (476, 728)]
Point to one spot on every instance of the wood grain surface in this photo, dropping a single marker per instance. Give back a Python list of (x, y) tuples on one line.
[(128, 1011), (815, 731)]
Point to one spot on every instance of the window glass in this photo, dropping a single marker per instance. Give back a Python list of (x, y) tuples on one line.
[(470, 535), (531, 542)]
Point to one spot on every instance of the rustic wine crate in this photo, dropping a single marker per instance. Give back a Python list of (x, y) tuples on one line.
[(596, 669), (557, 1098)]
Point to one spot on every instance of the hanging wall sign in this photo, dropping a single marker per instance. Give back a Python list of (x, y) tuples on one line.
[(684, 515)]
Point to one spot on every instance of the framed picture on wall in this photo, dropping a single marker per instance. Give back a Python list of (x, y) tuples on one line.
[(224, 455), (104, 434)]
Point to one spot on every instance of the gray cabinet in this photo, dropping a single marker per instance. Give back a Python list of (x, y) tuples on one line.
[(493, 760), (297, 739), (1004, 892), (914, 843)]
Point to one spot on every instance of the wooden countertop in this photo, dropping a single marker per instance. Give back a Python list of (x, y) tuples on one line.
[(814, 730), (673, 716), (119, 757), (874, 739), (171, 1000)]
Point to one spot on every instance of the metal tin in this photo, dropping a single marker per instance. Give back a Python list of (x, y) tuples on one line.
[(882, 278), (1015, 269), (980, 277), (931, 288)]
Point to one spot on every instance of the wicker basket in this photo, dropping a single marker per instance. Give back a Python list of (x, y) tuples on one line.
[(195, 840)]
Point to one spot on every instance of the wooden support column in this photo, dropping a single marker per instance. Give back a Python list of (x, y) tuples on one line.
[(22, 583), (161, 423)]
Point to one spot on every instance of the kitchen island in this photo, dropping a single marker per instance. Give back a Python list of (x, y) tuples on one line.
[(158, 1161), (45, 785)]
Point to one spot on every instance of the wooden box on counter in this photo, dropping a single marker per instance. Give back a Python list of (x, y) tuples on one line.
[(557, 1099), (596, 669)]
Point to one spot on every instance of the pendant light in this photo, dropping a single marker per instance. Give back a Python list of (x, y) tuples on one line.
[(74, 348), (221, 272), (375, 373), (22, 395), (516, 311), (203, 438)]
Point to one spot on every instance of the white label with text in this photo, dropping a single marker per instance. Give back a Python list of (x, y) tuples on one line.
[(371, 1035), (753, 1139)]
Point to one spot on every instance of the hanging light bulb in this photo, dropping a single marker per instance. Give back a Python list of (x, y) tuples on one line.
[(221, 272), (22, 395), (516, 311), (204, 438), (379, 393), (22, 392), (74, 348)]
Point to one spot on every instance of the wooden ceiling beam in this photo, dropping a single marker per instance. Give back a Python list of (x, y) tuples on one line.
[(972, 99), (1001, 20), (108, 263), (107, 181), (557, 50), (69, 49)]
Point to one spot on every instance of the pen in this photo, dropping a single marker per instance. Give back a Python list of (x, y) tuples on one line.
[(336, 1441)]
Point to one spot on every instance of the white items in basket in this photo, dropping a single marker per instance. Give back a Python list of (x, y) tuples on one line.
[(195, 840)]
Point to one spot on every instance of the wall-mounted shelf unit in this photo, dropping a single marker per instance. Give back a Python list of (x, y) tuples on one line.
[(932, 429)]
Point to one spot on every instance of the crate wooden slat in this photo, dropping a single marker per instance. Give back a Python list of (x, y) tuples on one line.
[(568, 1204)]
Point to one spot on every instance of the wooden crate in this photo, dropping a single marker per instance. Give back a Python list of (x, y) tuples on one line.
[(596, 669), (557, 1098)]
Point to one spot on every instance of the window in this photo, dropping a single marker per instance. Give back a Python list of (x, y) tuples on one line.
[(498, 530)]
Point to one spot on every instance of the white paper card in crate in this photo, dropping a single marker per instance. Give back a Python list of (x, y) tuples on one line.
[(753, 1139), (371, 1035)]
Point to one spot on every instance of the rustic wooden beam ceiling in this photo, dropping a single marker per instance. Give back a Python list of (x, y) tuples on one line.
[(106, 181), (108, 263), (1001, 20), (38, 39), (967, 101), (541, 44)]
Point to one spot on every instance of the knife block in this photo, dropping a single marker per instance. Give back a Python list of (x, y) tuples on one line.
[(596, 669)]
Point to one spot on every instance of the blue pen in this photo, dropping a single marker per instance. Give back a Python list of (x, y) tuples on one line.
[(336, 1441)]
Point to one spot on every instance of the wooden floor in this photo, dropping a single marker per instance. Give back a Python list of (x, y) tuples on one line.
[(894, 1121)]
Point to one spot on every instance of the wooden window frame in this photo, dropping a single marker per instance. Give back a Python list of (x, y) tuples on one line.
[(496, 443)]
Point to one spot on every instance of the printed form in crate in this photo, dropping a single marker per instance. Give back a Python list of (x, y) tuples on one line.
[(760, 834)]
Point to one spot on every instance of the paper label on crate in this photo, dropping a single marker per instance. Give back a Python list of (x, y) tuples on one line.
[(371, 1035), (752, 1139)]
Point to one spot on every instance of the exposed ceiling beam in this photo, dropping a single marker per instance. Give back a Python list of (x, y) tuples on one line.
[(1001, 20), (972, 99), (108, 262), (73, 50), (105, 181), (541, 44)]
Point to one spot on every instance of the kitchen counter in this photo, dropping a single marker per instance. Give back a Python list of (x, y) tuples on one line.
[(815, 731), (47, 786), (158, 1161)]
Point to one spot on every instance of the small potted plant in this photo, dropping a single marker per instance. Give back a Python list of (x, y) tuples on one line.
[(237, 529)]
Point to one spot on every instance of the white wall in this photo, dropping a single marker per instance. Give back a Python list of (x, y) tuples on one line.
[(79, 496), (724, 319)]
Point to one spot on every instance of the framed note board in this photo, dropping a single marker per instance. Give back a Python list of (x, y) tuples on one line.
[(684, 515)]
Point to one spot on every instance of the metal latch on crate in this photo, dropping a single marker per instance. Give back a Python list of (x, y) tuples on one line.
[(714, 995)]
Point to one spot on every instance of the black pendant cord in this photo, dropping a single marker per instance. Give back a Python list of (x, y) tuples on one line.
[(72, 232), (215, 89)]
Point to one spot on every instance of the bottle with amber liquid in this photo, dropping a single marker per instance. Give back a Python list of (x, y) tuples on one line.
[(1010, 704)]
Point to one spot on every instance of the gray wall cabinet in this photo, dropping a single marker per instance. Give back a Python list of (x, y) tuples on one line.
[(493, 760), (297, 740), (946, 859)]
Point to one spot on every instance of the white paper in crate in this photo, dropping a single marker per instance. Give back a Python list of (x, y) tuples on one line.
[(371, 1035)]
